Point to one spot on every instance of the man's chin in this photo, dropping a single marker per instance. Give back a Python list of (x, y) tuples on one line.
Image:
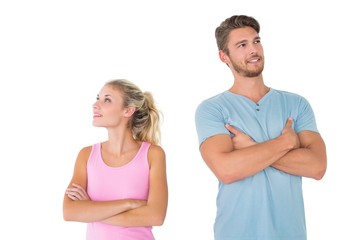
[(253, 74)]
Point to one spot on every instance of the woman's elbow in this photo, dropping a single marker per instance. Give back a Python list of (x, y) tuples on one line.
[(70, 215), (158, 218), (66, 216), (159, 222)]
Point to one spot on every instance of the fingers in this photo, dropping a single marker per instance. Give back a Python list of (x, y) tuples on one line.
[(72, 197), (288, 126), (231, 129), (77, 192), (289, 122), (290, 133)]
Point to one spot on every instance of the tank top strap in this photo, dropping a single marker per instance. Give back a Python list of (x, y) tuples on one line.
[(143, 151), (145, 147), (95, 153)]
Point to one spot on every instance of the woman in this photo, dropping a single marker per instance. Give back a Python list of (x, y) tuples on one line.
[(119, 187)]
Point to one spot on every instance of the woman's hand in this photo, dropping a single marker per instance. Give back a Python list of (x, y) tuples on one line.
[(77, 193)]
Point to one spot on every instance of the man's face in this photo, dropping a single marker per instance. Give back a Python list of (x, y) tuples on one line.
[(246, 56)]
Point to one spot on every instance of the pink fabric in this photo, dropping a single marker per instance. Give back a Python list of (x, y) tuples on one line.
[(111, 183)]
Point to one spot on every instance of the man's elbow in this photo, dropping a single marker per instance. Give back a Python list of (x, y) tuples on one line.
[(318, 175), (229, 177), (319, 171)]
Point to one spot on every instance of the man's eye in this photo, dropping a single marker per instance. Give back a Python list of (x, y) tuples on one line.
[(243, 45)]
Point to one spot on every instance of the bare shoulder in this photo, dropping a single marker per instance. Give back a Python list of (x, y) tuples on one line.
[(84, 153), (79, 174), (156, 153), (156, 150)]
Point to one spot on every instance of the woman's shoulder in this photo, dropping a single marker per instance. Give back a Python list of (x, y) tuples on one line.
[(156, 148), (85, 152), (86, 149), (156, 152)]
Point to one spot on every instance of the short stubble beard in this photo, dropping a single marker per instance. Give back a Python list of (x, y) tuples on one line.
[(246, 72)]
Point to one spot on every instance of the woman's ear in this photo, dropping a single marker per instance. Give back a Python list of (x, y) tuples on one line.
[(129, 111)]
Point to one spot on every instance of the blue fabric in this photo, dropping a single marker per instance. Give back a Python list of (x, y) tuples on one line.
[(268, 205)]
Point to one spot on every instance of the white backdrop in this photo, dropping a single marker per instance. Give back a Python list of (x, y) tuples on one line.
[(56, 55)]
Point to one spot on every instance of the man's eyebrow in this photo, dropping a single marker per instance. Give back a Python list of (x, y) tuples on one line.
[(240, 42), (245, 40)]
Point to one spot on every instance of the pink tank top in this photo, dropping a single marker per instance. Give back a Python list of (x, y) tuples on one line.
[(111, 183)]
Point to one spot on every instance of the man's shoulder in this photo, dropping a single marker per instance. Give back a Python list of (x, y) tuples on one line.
[(286, 93), (210, 104), (213, 99)]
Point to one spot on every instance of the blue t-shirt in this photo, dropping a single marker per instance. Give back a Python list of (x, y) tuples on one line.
[(269, 204)]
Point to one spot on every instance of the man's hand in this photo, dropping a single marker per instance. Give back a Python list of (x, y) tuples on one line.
[(289, 132), (240, 139)]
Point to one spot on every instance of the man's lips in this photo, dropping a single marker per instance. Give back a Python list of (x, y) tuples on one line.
[(253, 60)]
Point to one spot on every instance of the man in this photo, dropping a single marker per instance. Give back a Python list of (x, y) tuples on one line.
[(259, 142)]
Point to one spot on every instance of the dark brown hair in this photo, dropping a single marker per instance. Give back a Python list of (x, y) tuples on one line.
[(237, 21)]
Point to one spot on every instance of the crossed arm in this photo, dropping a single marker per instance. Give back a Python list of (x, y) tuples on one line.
[(77, 206), (300, 154)]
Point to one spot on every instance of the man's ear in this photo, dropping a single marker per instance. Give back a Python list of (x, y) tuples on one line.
[(129, 111), (223, 57)]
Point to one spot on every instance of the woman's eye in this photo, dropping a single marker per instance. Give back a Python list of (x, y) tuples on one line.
[(107, 100)]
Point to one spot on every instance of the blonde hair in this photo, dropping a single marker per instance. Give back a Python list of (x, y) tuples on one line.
[(145, 123)]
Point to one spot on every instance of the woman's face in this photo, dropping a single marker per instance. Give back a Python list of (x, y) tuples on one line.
[(108, 110)]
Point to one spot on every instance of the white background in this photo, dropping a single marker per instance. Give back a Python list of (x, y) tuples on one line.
[(56, 55)]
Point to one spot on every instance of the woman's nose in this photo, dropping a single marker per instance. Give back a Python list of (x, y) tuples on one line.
[(95, 105)]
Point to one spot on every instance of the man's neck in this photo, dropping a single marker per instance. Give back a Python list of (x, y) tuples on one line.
[(252, 88)]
